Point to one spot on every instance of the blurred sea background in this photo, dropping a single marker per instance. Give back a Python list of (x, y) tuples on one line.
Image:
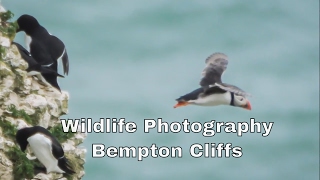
[(132, 59)]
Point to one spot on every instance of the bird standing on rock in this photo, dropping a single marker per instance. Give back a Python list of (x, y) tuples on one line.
[(46, 148), (213, 92), (45, 48), (34, 68)]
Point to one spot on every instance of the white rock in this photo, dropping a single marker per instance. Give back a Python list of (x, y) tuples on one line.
[(12, 99), (1, 143), (21, 124), (4, 41), (36, 101)]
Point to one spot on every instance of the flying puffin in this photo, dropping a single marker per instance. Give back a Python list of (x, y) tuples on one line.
[(213, 91), (45, 147), (34, 68), (45, 48)]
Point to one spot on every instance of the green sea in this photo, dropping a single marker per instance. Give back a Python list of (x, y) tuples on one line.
[(132, 59)]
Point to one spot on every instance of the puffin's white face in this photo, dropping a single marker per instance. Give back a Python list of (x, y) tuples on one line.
[(241, 101)]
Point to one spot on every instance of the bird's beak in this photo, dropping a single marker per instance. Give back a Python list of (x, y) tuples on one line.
[(247, 106), (181, 103)]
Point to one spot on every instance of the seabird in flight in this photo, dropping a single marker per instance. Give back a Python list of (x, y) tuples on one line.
[(213, 91)]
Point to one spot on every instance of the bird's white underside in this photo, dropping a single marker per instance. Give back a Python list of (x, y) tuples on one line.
[(41, 147), (213, 100)]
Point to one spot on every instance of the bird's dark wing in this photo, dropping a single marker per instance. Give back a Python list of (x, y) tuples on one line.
[(32, 63), (57, 150), (191, 96), (46, 70), (232, 88), (213, 90), (61, 53), (41, 55), (22, 50), (216, 64), (52, 79), (63, 163)]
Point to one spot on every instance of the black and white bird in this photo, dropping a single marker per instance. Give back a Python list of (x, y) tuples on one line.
[(45, 147), (45, 48), (34, 68), (213, 91)]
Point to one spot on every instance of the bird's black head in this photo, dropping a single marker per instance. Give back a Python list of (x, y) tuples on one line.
[(27, 24), (22, 136)]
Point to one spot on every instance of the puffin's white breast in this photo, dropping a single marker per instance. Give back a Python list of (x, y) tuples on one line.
[(41, 147), (213, 100)]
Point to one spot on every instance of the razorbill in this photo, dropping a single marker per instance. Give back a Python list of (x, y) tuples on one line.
[(213, 92), (45, 147), (34, 68), (45, 48)]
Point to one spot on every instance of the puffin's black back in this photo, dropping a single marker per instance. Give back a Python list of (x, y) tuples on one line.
[(191, 96), (201, 91)]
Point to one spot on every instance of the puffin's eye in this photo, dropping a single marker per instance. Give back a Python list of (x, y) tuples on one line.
[(241, 99)]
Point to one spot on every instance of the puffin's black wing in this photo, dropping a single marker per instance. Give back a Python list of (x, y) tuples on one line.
[(216, 64), (232, 88), (191, 96)]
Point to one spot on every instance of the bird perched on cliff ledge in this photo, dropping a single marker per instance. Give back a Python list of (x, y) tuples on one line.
[(46, 148), (45, 48), (34, 68), (213, 92)]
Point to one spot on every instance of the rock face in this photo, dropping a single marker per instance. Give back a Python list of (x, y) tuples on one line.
[(27, 101)]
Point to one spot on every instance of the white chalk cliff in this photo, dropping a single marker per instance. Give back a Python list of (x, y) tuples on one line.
[(26, 101)]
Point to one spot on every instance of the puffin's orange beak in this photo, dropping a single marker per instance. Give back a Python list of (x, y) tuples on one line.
[(247, 106), (181, 103)]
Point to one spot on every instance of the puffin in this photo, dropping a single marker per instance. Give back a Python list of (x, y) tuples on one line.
[(46, 148), (45, 48), (213, 91), (34, 68)]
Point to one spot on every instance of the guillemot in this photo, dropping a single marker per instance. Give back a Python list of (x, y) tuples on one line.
[(46, 148), (213, 91)]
